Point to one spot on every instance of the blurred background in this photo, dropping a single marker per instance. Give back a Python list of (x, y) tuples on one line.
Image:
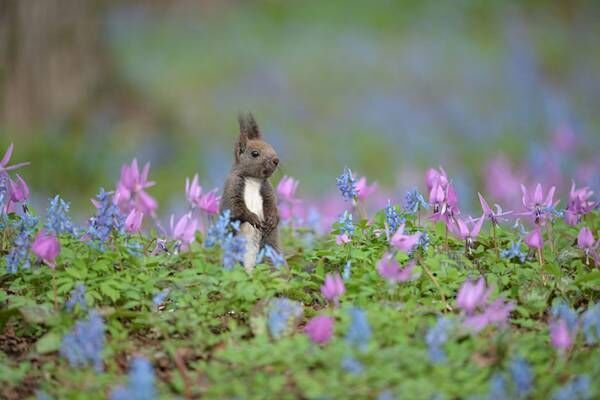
[(498, 92)]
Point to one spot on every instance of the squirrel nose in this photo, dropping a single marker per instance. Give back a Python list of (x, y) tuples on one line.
[(275, 161)]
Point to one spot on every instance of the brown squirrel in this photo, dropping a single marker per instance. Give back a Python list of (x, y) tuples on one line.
[(248, 194)]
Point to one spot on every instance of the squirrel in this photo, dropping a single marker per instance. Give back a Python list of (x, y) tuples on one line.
[(248, 194)]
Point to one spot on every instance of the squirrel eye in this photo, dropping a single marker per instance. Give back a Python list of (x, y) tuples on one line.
[(255, 153)]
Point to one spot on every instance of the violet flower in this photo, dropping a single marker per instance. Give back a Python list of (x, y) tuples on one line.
[(433, 177), (4, 167), (193, 190), (560, 336), (534, 239), (333, 288), (536, 205), (579, 204), (209, 202), (133, 222), (130, 192), (363, 190), (19, 192), (390, 269), (473, 300), (472, 295), (466, 233), (404, 242), (585, 241), (342, 238), (46, 247), (320, 329), (286, 189), (495, 217), (184, 230)]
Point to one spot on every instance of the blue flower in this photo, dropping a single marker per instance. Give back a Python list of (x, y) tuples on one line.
[(234, 248), (347, 184), (282, 313), (57, 217), (521, 375), (18, 256), (436, 337), (84, 344), (77, 296), (561, 310), (413, 200), (108, 219), (218, 232), (392, 218), (497, 388), (590, 321), (276, 258), (514, 251), (347, 226), (386, 395), (577, 388), (352, 365), (359, 331), (140, 385), (159, 298), (346, 272)]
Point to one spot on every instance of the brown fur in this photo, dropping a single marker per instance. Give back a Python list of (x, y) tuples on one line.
[(254, 158)]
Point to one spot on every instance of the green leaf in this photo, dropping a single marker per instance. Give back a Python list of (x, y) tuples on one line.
[(48, 343)]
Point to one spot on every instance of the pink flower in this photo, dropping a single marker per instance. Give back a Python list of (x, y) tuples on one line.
[(363, 190), (536, 205), (342, 239), (472, 295), (443, 201), (560, 335), (534, 239), (130, 192), (495, 217), (496, 313), (579, 204), (184, 230), (320, 329), (193, 190), (404, 242), (333, 287), (46, 247), (4, 167), (390, 269), (585, 239), (18, 190), (209, 202), (433, 177), (286, 189), (133, 222), (462, 230)]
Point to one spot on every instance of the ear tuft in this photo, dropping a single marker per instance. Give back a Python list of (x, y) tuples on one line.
[(249, 127)]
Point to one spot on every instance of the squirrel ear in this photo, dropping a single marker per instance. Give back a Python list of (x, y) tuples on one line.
[(249, 127)]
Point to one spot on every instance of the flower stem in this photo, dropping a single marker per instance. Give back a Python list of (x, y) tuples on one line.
[(446, 238), (54, 289), (436, 283), (495, 240)]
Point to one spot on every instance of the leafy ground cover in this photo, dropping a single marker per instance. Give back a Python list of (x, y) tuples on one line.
[(416, 301)]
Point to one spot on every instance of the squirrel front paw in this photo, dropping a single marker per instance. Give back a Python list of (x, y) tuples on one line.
[(254, 220), (270, 223)]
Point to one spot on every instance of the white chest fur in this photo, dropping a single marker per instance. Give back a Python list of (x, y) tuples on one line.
[(254, 203), (252, 197)]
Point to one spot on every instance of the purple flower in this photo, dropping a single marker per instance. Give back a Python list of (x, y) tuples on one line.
[(4, 167), (472, 295), (536, 205), (286, 189), (534, 239), (184, 230), (130, 192), (434, 177), (389, 269), (579, 204), (404, 242), (140, 385), (560, 336), (333, 288), (466, 233), (320, 329), (19, 192), (585, 238), (46, 247), (495, 217), (363, 190), (347, 185), (133, 222), (209, 202), (342, 238)]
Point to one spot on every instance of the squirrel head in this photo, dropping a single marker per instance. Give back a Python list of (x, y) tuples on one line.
[(254, 157)]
